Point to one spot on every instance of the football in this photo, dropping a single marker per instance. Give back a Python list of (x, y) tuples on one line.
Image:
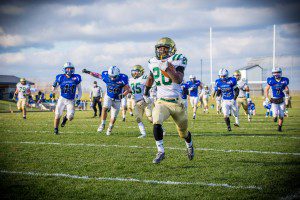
[(165, 73)]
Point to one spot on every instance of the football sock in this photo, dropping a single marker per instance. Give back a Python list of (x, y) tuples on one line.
[(123, 115), (111, 126), (236, 120), (158, 132), (188, 140), (142, 128), (160, 146), (103, 122), (227, 121)]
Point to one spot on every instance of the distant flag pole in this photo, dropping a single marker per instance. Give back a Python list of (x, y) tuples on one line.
[(210, 52), (274, 45)]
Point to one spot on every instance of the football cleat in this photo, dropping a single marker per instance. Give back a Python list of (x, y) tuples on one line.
[(124, 119), (24, 117), (275, 119), (159, 157), (229, 128), (249, 118), (237, 125), (63, 123), (142, 136), (190, 152), (101, 127), (279, 129), (56, 131), (108, 132)]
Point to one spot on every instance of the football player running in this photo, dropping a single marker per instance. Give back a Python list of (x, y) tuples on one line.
[(69, 82), (167, 71), (137, 84), (205, 93), (23, 93), (193, 86), (229, 90), (116, 88), (278, 85), (244, 94)]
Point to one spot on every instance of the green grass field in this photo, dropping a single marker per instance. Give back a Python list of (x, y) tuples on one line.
[(253, 161)]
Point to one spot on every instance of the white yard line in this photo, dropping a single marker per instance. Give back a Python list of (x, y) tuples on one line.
[(225, 185), (147, 147), (194, 134)]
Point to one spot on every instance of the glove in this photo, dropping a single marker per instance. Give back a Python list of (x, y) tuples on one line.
[(267, 100), (51, 95), (77, 102), (147, 99), (86, 71)]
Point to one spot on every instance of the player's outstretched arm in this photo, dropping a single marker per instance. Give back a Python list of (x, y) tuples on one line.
[(267, 91), (236, 92), (287, 90), (175, 74), (79, 91), (94, 74)]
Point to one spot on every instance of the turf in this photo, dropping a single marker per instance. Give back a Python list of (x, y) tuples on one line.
[(253, 161)]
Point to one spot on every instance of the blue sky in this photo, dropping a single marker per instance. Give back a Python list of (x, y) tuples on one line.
[(37, 37)]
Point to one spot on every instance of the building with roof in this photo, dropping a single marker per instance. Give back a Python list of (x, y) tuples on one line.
[(255, 76), (8, 86)]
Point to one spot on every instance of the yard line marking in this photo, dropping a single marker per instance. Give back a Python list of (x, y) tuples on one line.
[(132, 180), (194, 134), (147, 147)]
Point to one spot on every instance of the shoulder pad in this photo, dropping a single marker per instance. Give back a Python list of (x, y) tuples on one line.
[(269, 80), (78, 77)]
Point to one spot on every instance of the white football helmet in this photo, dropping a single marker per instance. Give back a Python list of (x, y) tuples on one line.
[(192, 77), (223, 73), (113, 72), (277, 72), (68, 68)]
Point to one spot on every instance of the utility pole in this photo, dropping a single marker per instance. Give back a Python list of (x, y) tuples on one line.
[(201, 70)]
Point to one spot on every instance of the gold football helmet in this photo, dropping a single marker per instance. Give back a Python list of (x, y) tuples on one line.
[(170, 48), (237, 74), (137, 71)]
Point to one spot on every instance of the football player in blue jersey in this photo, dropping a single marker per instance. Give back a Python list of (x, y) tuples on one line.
[(227, 86), (193, 86), (184, 93), (116, 88), (69, 82), (278, 85)]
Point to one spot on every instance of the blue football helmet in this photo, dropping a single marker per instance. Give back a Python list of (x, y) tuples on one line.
[(68, 68)]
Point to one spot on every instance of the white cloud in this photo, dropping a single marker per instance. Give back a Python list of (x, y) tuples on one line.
[(7, 40), (12, 58)]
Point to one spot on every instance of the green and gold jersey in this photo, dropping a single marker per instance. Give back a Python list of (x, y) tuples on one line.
[(165, 87), (138, 86)]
